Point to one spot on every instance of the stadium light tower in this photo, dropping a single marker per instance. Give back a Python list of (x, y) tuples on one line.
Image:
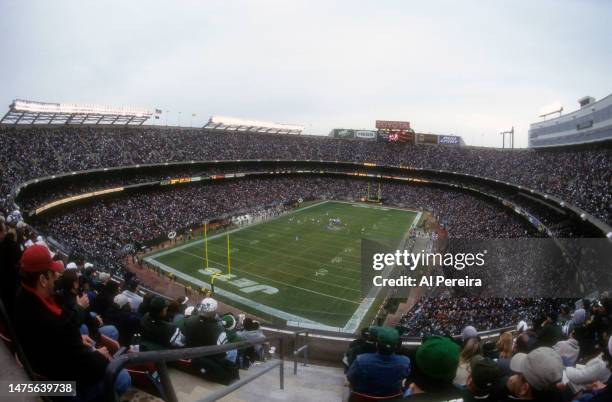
[(560, 111), (511, 141)]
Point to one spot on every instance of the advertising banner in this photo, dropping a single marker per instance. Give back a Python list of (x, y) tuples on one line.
[(365, 134), (392, 125), (342, 133), (427, 139), (449, 140)]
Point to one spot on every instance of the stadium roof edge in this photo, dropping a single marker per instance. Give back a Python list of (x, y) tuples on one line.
[(40, 113)]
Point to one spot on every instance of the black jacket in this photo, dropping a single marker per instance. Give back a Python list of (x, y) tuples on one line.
[(53, 345)]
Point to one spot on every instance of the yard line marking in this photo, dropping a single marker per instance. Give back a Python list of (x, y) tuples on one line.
[(200, 241), (282, 283)]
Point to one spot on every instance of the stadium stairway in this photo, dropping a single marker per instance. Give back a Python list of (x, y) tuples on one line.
[(312, 383)]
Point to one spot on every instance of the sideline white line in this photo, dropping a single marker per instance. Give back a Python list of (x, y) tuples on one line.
[(291, 319), (354, 322)]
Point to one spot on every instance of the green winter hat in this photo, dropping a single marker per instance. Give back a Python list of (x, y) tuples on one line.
[(438, 358)]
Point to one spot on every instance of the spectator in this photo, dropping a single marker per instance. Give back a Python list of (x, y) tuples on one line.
[(467, 333), (157, 332), (436, 365), (120, 315), (483, 382), (568, 349), (471, 349), (204, 329), (595, 370), (539, 375), (366, 343), (380, 374), (251, 331), (54, 348), (132, 295), (504, 348)]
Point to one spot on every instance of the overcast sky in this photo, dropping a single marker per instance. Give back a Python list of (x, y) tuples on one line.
[(463, 67)]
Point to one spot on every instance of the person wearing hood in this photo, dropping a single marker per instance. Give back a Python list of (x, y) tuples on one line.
[(569, 350)]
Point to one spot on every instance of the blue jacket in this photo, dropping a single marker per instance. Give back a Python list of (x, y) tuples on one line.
[(378, 374)]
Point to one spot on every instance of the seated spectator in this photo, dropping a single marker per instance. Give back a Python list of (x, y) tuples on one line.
[(76, 304), (106, 296), (53, 347), (483, 382), (120, 315), (538, 378), (204, 329), (380, 374), (569, 350), (470, 350), (366, 343), (602, 392), (10, 253), (251, 331), (132, 295), (146, 303), (157, 332), (504, 347), (595, 370), (436, 365), (182, 306)]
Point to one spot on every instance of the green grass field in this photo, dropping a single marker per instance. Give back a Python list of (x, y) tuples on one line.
[(292, 267)]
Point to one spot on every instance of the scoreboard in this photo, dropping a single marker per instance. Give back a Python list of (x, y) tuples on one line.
[(394, 131)]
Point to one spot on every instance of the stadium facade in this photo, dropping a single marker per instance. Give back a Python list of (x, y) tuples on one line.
[(591, 123)]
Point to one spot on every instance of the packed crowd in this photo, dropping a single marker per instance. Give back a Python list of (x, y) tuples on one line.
[(448, 315), (554, 354), (88, 319), (582, 177), (99, 231)]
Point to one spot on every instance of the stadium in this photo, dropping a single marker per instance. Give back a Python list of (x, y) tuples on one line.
[(251, 260)]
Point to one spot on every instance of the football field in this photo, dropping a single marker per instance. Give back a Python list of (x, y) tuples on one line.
[(302, 267)]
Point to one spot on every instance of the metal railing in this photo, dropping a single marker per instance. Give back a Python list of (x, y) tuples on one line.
[(160, 358), (301, 349)]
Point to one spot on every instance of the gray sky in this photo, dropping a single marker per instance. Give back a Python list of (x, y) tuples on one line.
[(467, 67)]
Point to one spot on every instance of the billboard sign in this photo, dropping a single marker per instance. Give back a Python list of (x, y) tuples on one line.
[(392, 125), (449, 140), (427, 139), (365, 134), (342, 133)]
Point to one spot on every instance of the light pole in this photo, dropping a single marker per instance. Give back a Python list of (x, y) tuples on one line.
[(167, 112), (179, 119), (511, 141)]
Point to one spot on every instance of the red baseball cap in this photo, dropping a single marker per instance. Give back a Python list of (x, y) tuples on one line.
[(37, 258)]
